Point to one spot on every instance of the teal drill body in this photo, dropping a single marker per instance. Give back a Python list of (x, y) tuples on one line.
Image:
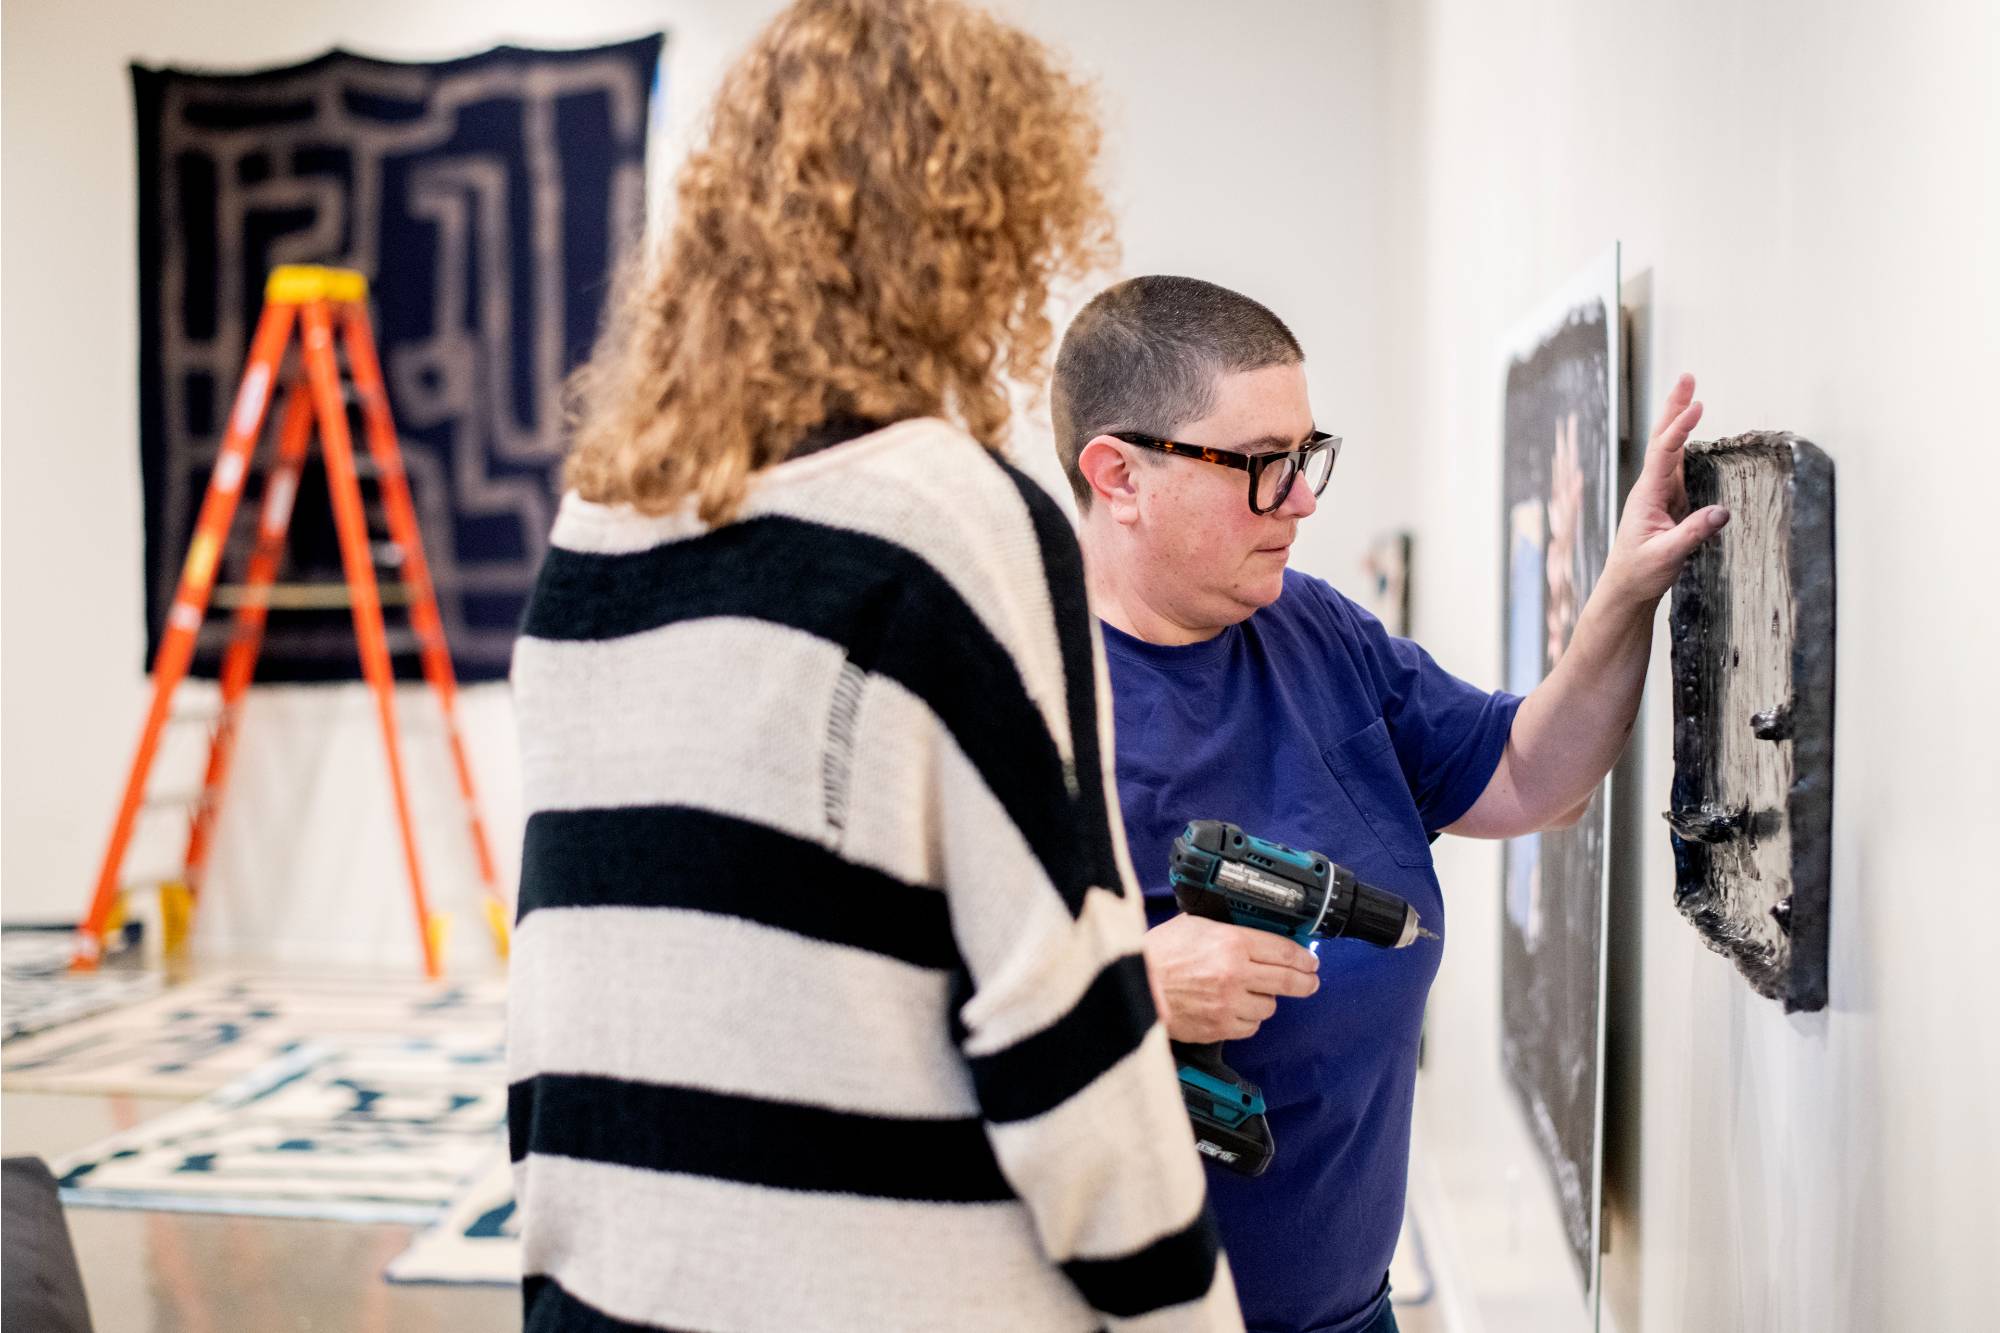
[(1220, 872)]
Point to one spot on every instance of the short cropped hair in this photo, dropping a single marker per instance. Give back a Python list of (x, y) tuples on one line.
[(1146, 354)]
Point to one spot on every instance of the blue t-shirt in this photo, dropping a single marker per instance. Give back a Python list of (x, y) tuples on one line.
[(1310, 725)]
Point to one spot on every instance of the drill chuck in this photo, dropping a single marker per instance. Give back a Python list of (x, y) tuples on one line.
[(1381, 918)]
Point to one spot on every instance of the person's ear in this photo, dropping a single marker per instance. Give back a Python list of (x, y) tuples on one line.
[(1113, 478)]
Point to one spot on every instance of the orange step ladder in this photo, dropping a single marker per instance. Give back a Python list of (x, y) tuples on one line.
[(328, 305)]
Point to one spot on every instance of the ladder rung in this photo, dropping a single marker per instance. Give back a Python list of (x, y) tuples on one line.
[(217, 635), (150, 883), (244, 533), (365, 466), (387, 553), (204, 716), (306, 596)]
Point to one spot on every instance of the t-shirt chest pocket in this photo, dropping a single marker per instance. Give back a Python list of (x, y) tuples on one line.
[(1365, 765)]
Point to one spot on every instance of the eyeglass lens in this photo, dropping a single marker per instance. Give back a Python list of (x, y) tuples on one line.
[(1275, 482)]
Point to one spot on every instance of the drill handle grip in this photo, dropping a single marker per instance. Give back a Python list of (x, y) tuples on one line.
[(1205, 1056)]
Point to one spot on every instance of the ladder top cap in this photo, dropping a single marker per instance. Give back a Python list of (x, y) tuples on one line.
[(296, 283)]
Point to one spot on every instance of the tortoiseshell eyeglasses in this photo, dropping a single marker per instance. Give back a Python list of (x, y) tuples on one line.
[(1271, 475)]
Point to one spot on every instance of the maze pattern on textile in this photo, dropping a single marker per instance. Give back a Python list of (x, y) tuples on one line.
[(370, 1130), (193, 1039), (487, 200)]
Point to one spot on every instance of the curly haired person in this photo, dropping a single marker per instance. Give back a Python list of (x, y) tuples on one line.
[(829, 1009)]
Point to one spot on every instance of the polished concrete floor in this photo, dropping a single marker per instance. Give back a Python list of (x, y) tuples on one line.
[(155, 1272), (149, 1272)]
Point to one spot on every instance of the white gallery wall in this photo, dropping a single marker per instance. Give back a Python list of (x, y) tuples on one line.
[(1249, 152), (1809, 197)]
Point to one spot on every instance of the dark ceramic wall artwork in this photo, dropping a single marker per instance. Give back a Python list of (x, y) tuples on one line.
[(1562, 413), (1753, 620)]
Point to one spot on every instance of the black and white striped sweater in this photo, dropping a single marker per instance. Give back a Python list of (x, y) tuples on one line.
[(827, 1007)]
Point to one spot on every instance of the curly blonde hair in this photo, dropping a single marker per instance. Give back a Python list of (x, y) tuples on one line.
[(887, 194)]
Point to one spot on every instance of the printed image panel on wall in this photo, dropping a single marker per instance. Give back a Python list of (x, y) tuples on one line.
[(1563, 407), (1753, 620), (487, 201), (1386, 589)]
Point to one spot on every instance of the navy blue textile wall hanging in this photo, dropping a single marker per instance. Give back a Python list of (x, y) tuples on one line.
[(488, 201)]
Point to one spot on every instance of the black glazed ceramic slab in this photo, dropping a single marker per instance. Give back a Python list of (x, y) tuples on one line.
[(1753, 656)]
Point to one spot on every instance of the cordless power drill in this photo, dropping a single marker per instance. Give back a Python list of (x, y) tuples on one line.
[(1221, 872)]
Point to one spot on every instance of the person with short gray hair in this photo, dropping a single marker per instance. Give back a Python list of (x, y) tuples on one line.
[(1248, 692), (1147, 354)]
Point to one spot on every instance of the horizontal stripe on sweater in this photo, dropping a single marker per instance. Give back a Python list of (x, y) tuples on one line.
[(753, 1141), (548, 1307), (1173, 1270), (1047, 1068), (702, 861)]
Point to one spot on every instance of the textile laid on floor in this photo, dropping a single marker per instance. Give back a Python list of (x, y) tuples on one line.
[(369, 1131), (195, 1038), (476, 1242), (35, 951), (827, 998), (41, 993), (485, 199)]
